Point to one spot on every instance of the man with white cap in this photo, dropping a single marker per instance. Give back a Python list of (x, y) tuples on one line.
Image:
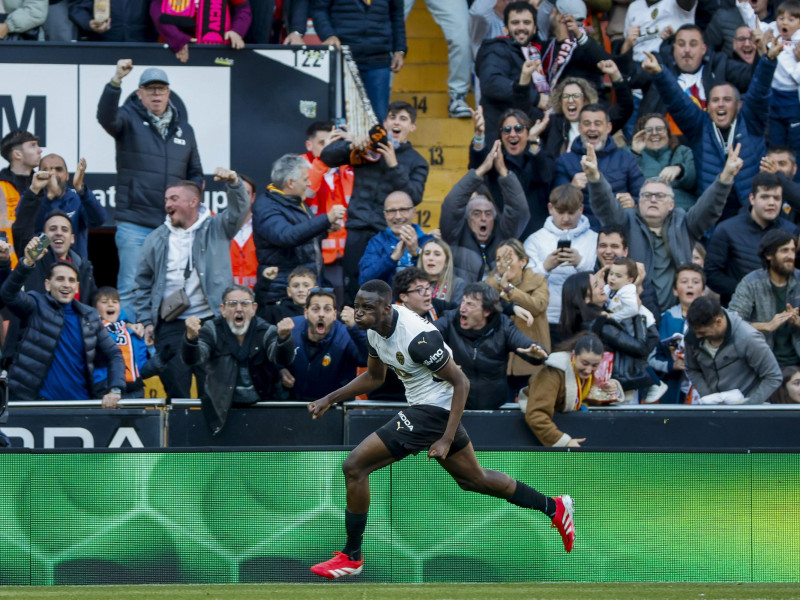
[(155, 147)]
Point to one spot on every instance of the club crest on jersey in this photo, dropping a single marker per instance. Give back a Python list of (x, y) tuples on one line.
[(326, 360), (400, 358)]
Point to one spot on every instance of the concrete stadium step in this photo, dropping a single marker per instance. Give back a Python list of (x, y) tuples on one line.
[(429, 104), (427, 50), (443, 132), (444, 158), (424, 77)]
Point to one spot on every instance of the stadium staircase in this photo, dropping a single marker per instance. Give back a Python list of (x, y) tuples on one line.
[(441, 140)]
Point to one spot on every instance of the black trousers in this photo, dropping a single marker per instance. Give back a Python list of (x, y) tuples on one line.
[(177, 375)]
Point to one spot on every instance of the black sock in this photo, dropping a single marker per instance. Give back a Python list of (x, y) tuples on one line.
[(355, 525), (527, 497)]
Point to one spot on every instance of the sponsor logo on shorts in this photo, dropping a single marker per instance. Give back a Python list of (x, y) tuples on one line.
[(434, 357), (405, 422)]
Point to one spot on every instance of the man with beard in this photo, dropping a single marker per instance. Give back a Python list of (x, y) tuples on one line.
[(509, 69), (728, 362), (240, 354), (620, 168), (185, 265), (481, 338), (63, 339), (48, 192), (436, 390), (732, 250), (768, 298), (328, 351)]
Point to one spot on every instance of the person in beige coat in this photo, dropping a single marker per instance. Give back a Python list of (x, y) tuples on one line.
[(529, 290), (563, 385)]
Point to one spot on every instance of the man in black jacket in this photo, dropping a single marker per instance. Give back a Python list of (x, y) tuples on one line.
[(481, 338), (239, 353), (56, 357), (285, 233), (399, 168), (155, 147)]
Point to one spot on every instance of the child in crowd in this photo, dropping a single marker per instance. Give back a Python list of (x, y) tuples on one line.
[(301, 281), (784, 109), (667, 358), (623, 305), (129, 338)]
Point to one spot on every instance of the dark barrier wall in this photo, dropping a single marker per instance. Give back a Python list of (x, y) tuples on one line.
[(289, 424), (86, 428), (85, 518), (247, 107)]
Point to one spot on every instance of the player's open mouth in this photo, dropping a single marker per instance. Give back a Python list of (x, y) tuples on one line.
[(320, 327)]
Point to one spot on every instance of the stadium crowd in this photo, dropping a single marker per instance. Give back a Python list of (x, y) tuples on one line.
[(632, 174)]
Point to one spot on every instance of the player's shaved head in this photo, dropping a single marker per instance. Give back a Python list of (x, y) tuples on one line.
[(379, 287)]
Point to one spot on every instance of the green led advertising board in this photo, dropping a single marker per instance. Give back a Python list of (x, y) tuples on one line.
[(267, 516)]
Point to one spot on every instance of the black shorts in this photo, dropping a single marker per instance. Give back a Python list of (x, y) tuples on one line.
[(417, 427)]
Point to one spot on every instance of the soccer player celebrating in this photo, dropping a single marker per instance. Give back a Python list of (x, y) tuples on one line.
[(436, 390)]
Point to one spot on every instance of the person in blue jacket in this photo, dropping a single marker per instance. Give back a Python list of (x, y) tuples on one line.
[(327, 351), (729, 121), (398, 246)]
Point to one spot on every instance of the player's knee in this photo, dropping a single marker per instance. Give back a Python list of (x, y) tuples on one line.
[(351, 469)]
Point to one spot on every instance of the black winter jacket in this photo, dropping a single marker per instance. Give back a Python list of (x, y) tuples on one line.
[(213, 350), (374, 181), (498, 65), (45, 320), (130, 21), (630, 351), (146, 163), (286, 236), (372, 30), (483, 356)]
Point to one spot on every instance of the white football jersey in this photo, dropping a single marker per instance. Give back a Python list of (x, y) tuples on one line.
[(415, 351)]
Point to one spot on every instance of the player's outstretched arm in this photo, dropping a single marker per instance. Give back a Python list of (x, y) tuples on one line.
[(452, 374), (363, 384)]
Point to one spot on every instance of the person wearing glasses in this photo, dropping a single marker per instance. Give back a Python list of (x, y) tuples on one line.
[(397, 247), (659, 234), (185, 266), (239, 353), (659, 154), (154, 144)]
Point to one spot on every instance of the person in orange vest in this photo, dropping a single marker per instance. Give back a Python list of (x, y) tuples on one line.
[(328, 187), (21, 150), (243, 249)]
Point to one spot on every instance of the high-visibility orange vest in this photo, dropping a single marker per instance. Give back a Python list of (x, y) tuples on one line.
[(244, 262), (329, 192), (9, 198)]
